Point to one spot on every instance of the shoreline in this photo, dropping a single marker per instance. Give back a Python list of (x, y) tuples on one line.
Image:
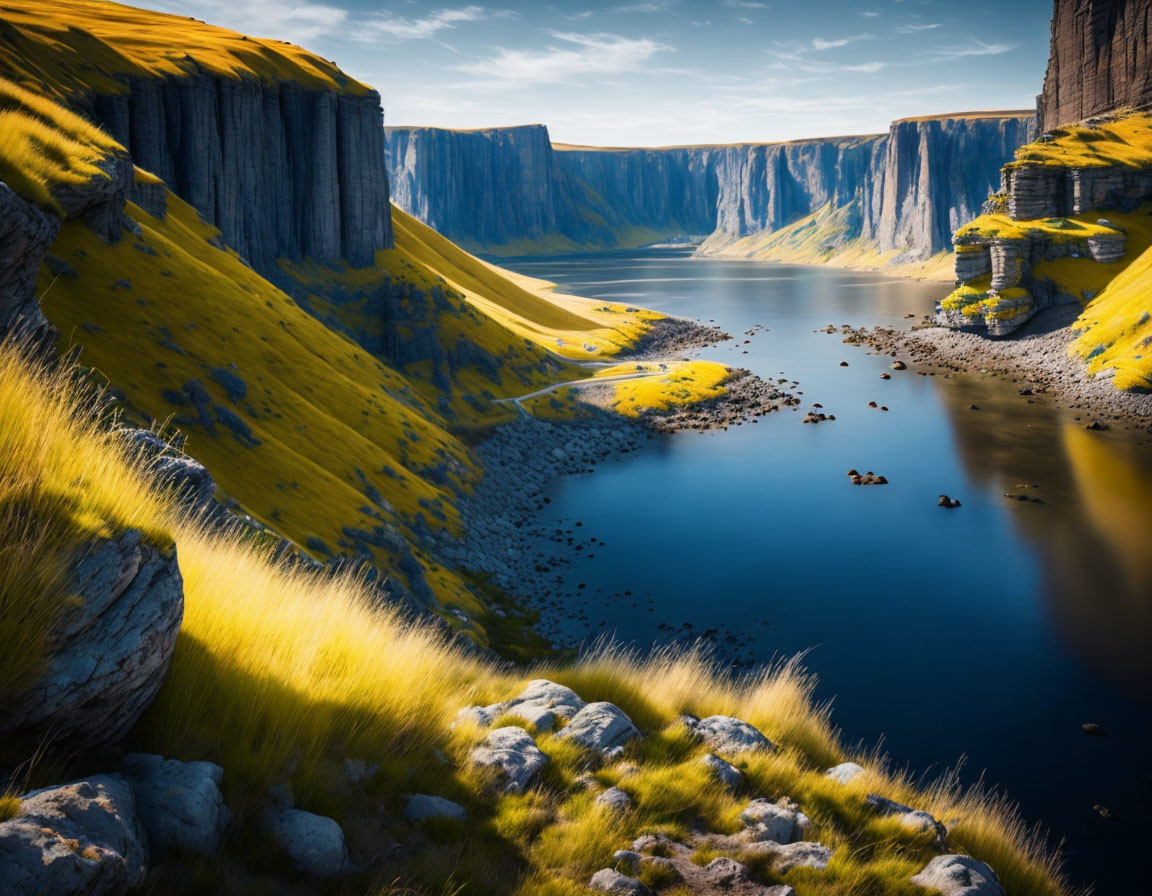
[(1036, 356), (505, 538)]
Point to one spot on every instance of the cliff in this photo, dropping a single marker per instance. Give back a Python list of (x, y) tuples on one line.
[(272, 144), (1099, 60), (902, 193)]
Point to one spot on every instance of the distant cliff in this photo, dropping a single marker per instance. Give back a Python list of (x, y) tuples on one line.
[(506, 190), (1099, 59)]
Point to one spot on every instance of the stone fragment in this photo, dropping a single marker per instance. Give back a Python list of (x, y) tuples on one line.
[(600, 726), (313, 844), (609, 881), (513, 754), (844, 772), (770, 821), (421, 807), (726, 773), (614, 800), (730, 736), (955, 875), (77, 839), (179, 803)]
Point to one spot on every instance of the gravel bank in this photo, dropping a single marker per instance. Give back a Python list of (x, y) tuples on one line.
[(1037, 356)]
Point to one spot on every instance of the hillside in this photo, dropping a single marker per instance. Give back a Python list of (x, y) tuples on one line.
[(1071, 220), (299, 681)]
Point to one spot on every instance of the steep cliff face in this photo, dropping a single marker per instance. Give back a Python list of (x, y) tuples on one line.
[(1099, 61), (475, 187), (934, 175), (506, 190), (664, 193), (283, 171)]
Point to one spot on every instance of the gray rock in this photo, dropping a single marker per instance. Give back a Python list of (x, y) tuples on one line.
[(844, 772), (785, 856), (914, 819), (513, 754), (609, 881), (189, 478), (955, 875), (549, 695), (614, 800), (769, 821), (78, 839), (725, 872), (421, 807), (179, 803), (26, 232), (727, 735), (627, 860), (314, 844), (600, 726), (111, 649), (539, 717), (726, 773)]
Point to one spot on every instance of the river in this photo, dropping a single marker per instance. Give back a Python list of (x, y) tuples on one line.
[(988, 633)]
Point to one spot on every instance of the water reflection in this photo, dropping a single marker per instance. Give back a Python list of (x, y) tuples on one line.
[(1094, 527)]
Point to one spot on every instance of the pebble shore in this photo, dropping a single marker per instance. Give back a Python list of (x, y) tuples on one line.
[(1037, 356), (506, 538)]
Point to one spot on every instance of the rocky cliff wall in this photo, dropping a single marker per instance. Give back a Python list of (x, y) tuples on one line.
[(282, 170), (1099, 60), (908, 190)]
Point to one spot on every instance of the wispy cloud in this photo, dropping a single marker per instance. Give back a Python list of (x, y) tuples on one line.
[(816, 45), (298, 21), (389, 26), (915, 29), (575, 56), (976, 48)]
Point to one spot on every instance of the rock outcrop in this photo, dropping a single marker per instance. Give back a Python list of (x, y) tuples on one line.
[(111, 648), (282, 170), (26, 232), (179, 804), (508, 190), (1100, 60), (78, 839)]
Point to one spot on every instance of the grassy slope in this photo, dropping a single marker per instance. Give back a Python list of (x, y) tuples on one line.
[(280, 675), (68, 46), (821, 238), (1116, 293)]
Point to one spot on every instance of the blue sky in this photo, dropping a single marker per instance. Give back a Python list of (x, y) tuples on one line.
[(661, 72)]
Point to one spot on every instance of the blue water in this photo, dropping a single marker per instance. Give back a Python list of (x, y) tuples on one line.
[(988, 633)]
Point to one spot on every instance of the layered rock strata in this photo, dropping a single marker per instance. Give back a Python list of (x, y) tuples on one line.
[(1099, 61)]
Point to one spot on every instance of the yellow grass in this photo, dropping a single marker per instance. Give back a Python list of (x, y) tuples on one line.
[(1116, 328), (821, 238), (685, 383), (44, 147), (73, 46), (1124, 142)]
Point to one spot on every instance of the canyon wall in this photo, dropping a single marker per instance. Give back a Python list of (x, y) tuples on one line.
[(282, 170), (906, 190), (1099, 59)]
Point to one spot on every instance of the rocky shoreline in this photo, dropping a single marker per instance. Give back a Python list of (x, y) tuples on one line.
[(504, 536), (1036, 357)]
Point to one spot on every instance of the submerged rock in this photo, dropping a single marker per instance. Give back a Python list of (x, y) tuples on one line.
[(77, 839)]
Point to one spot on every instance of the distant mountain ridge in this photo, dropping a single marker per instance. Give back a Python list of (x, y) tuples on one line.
[(511, 191)]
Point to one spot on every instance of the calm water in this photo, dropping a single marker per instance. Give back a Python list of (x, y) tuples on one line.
[(988, 633)]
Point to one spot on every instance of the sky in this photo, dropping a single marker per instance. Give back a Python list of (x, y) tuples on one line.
[(666, 72)]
